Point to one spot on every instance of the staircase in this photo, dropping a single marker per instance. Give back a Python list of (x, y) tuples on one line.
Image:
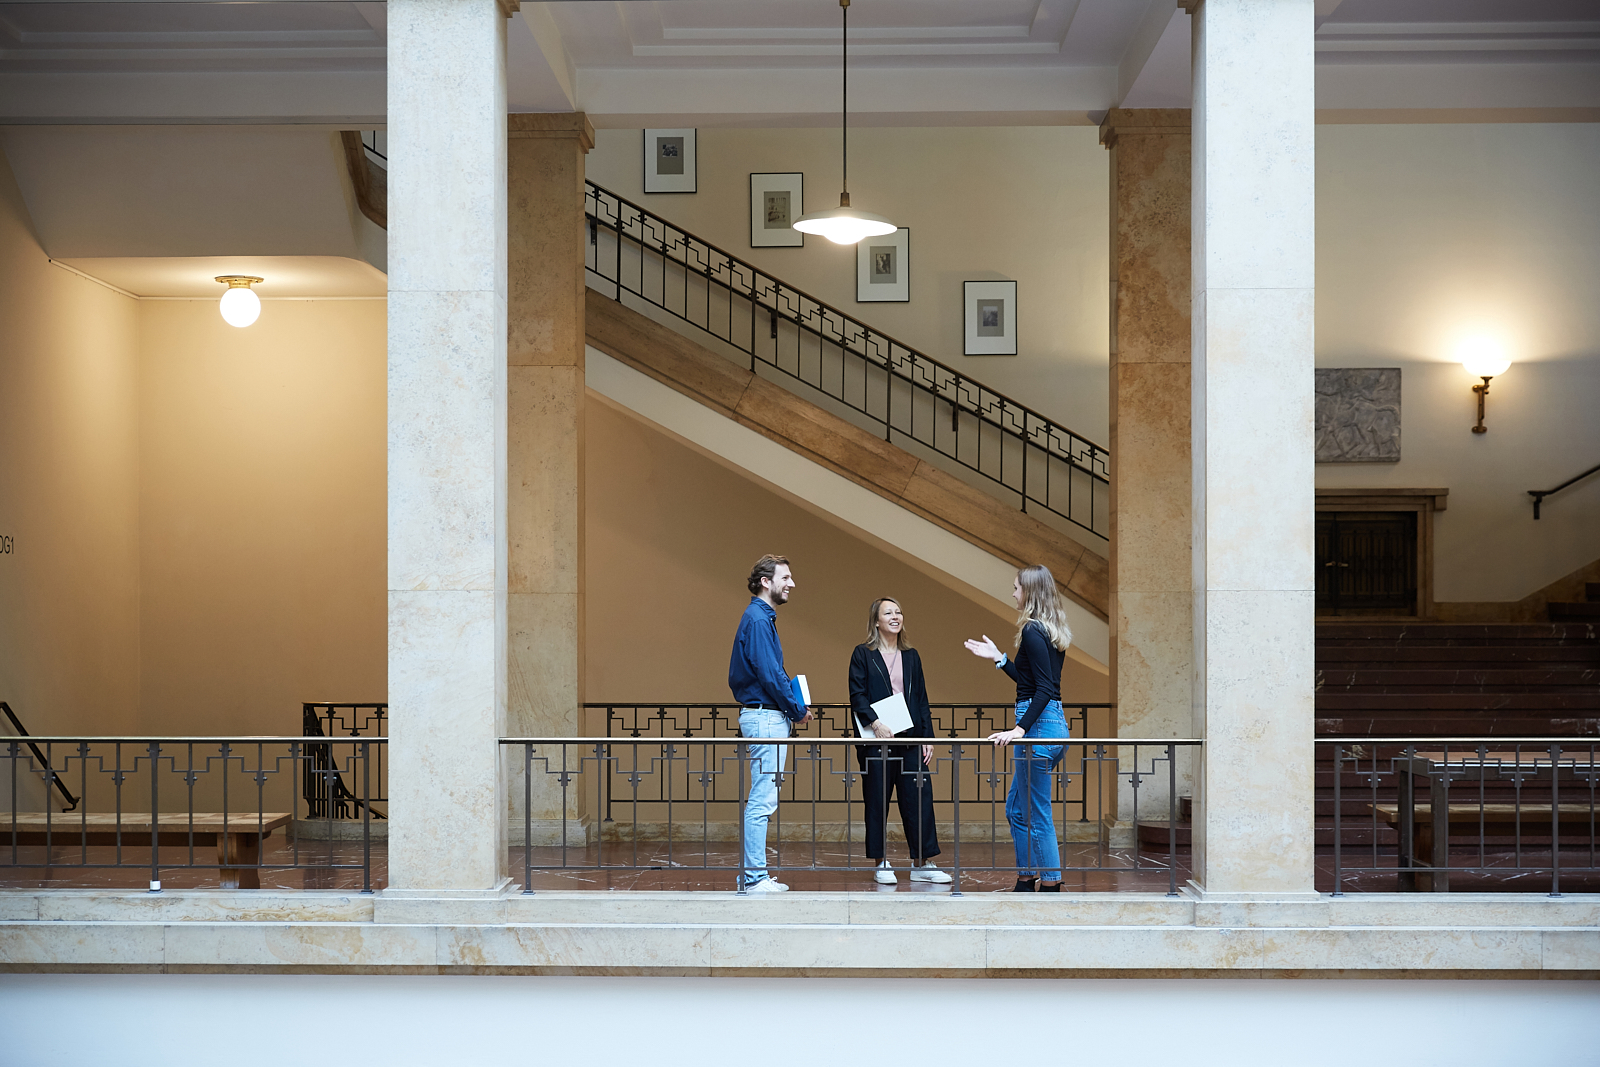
[(1459, 680), (1586, 610), (830, 388), (888, 470)]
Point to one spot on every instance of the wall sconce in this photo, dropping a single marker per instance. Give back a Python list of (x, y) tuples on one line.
[(1485, 360), (240, 306)]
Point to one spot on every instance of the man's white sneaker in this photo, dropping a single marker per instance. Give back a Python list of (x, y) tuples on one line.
[(767, 885), (928, 872), (884, 874)]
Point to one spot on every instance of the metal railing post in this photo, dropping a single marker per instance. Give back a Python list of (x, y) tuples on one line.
[(155, 820)]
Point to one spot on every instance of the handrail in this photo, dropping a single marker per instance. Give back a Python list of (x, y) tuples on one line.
[(1539, 494), (22, 731), (908, 392)]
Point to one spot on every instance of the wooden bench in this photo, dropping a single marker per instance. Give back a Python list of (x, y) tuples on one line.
[(237, 835), (1495, 820)]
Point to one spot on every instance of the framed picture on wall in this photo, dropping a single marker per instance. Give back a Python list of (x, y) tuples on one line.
[(883, 268), (991, 318), (669, 161), (775, 202)]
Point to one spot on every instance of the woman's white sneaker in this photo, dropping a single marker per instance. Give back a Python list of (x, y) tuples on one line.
[(884, 874), (928, 872)]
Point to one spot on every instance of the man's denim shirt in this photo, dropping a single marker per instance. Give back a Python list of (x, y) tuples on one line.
[(755, 670)]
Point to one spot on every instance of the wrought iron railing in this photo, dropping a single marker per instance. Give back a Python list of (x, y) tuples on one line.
[(15, 786), (1027, 458), (326, 794), (676, 805), (150, 805), (1472, 813)]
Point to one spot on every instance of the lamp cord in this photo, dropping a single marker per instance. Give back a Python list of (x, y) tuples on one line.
[(844, 98)]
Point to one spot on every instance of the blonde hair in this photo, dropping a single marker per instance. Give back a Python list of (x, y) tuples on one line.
[(1041, 603), (874, 638)]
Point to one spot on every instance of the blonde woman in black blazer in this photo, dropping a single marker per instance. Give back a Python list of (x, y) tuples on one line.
[(885, 664)]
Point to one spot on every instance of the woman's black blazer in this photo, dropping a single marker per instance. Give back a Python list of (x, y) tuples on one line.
[(869, 683)]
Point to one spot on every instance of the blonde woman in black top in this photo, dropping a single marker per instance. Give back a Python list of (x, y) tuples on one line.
[(1042, 640), (883, 665)]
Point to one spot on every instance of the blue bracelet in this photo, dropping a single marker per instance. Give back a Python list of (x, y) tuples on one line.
[(1001, 662)]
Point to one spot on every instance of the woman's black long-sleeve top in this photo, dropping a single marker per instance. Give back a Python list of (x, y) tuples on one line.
[(1037, 672), (869, 683)]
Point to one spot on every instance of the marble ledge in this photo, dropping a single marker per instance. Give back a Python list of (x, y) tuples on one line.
[(510, 907), (752, 950)]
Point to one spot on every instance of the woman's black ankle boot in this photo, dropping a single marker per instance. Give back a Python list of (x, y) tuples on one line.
[(1050, 888), (1025, 885)]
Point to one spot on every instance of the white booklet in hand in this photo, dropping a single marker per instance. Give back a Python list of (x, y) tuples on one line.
[(892, 712)]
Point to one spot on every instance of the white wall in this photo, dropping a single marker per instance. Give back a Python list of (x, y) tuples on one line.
[(1024, 203), (435, 1021), (1426, 234)]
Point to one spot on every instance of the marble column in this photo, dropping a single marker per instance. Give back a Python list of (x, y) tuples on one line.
[(447, 445), (1253, 495), (547, 238), (1151, 601)]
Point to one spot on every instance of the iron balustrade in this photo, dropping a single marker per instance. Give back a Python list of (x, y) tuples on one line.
[(67, 798), (1539, 494), (709, 720), (326, 795), (157, 804), (1032, 460), (1414, 812), (674, 803)]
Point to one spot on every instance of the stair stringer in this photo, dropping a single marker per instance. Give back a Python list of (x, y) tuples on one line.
[(659, 377)]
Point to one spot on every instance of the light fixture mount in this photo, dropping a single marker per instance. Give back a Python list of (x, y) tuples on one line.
[(844, 225)]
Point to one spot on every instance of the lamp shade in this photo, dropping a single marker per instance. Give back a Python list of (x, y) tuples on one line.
[(1483, 358), (844, 225)]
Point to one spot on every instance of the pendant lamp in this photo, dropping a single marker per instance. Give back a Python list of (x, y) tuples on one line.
[(844, 225)]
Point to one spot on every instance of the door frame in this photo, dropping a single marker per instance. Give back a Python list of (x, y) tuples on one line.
[(1424, 502)]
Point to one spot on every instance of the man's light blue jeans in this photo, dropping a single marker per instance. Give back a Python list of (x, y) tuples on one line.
[(766, 764), (1033, 827)]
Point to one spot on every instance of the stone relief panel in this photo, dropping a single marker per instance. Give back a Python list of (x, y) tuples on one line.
[(1358, 415)]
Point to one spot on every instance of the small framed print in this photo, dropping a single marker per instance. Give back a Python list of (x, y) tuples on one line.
[(883, 267), (775, 202), (669, 161), (990, 317)]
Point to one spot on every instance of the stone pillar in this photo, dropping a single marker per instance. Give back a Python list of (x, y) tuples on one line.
[(1152, 634), (545, 419), (447, 445), (1253, 495)]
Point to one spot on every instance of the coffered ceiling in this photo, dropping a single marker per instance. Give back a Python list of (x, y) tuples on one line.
[(775, 62)]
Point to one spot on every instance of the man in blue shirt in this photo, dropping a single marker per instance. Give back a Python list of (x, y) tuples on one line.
[(770, 709)]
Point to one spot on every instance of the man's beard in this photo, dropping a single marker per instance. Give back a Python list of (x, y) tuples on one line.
[(781, 597)]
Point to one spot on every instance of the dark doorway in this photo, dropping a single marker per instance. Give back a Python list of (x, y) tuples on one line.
[(1366, 563)]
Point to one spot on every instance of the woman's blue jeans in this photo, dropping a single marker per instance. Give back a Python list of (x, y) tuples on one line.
[(1033, 827)]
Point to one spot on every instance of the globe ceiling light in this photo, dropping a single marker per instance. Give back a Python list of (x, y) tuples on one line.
[(844, 225), (240, 306)]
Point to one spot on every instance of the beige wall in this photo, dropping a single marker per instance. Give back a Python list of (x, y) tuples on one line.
[(261, 513), (1024, 203), (1428, 233), (671, 537), (69, 483)]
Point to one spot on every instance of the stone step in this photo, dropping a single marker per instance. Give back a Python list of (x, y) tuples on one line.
[(1427, 658), (1413, 633), (1580, 611), (1453, 724), (1490, 702), (1458, 679)]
